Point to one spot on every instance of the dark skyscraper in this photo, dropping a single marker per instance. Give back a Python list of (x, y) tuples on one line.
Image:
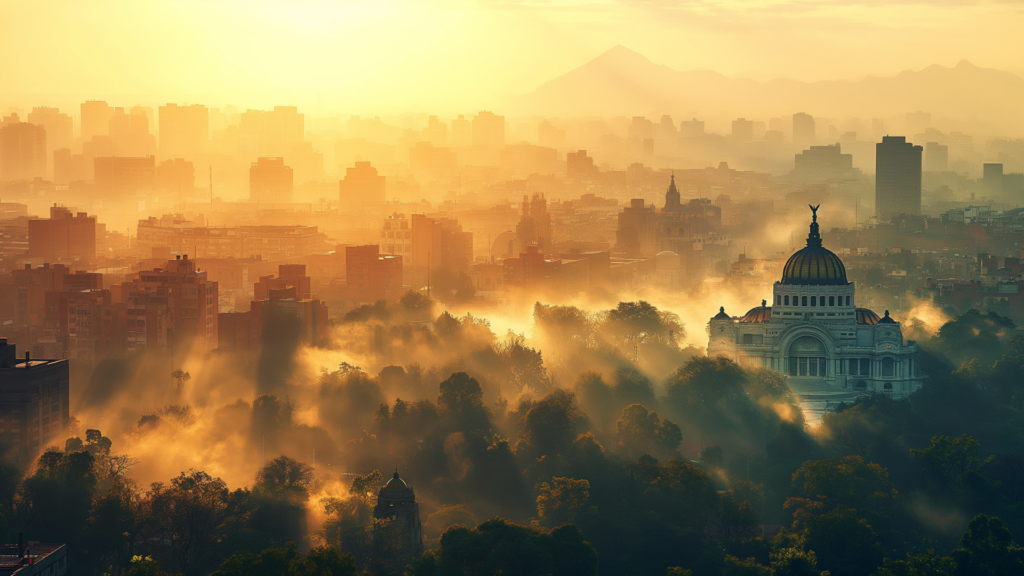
[(897, 177), (992, 181)]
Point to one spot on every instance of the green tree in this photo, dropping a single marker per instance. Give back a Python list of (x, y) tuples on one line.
[(641, 431), (987, 549), (849, 482), (551, 424), (948, 460), (287, 561), (191, 515), (844, 544), (284, 475), (795, 562), (563, 500), (500, 547), (924, 564), (62, 487)]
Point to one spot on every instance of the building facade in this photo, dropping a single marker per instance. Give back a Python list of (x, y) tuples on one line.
[(396, 500), (35, 405), (830, 350), (897, 177)]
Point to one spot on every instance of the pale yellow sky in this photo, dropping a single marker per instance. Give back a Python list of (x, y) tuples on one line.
[(450, 55)]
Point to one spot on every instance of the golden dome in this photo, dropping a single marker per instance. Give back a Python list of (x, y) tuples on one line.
[(814, 265), (759, 315)]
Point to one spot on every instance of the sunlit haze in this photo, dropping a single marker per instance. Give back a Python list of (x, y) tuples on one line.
[(389, 55), (512, 287)]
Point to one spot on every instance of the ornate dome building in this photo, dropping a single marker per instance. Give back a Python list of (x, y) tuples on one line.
[(397, 500), (813, 333)]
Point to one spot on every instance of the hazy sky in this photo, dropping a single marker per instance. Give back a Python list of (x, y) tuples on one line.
[(453, 54)]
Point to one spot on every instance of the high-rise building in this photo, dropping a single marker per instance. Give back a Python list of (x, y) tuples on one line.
[(637, 231), (897, 177), (173, 303), (743, 129), (34, 400), (22, 151), (936, 157), (129, 133), (803, 129), (820, 163), (462, 132), (63, 235), (488, 130), (96, 117), (288, 276), (579, 166), (396, 237), (175, 175), (992, 181), (372, 276), (124, 175), (441, 244), (535, 225), (270, 181), (284, 303), (276, 132), (436, 132), (362, 187), (691, 128), (184, 130), (60, 129)]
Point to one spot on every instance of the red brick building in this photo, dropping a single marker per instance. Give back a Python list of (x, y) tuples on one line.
[(62, 236), (372, 276)]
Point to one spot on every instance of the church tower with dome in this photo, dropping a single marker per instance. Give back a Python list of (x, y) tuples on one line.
[(813, 333), (396, 500)]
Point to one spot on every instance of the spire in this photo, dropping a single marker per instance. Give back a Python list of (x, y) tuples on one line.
[(814, 238), (672, 196)]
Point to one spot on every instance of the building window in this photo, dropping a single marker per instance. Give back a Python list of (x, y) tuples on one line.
[(804, 300), (847, 300), (888, 367), (865, 367), (778, 300), (831, 300), (814, 300), (887, 389), (839, 366), (803, 366), (787, 300)]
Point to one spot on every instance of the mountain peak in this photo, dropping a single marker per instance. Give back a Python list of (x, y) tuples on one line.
[(621, 55), (965, 65)]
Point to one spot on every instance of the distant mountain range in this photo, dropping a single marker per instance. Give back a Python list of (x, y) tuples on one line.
[(620, 81)]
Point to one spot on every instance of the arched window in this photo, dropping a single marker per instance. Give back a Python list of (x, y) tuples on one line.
[(778, 299), (888, 366), (803, 301), (887, 389), (847, 300), (807, 357), (831, 300), (787, 300), (814, 300)]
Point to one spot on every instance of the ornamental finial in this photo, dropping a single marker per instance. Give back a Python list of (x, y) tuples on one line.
[(814, 212)]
